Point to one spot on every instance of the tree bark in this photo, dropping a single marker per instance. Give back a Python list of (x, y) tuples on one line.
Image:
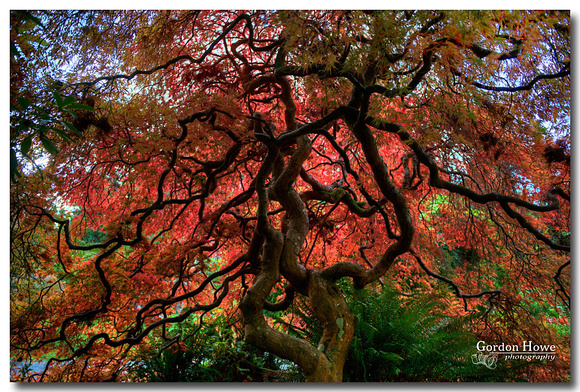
[(324, 363), (280, 257), (338, 322)]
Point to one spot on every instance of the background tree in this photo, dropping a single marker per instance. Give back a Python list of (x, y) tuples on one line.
[(171, 165)]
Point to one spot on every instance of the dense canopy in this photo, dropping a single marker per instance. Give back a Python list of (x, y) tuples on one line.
[(172, 167)]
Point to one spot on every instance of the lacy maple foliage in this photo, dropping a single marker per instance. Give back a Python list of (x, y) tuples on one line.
[(171, 165)]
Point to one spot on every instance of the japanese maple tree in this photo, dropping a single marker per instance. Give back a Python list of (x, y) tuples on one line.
[(171, 165)]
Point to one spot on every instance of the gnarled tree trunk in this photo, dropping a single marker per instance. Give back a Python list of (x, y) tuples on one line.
[(320, 364)]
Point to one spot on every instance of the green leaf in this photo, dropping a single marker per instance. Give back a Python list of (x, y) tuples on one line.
[(23, 125), (62, 134), (14, 165), (72, 113), (23, 102), (28, 16), (41, 110), (38, 40), (14, 50), (25, 145), (391, 357), (71, 127), (80, 106), (47, 143), (58, 98), (68, 100)]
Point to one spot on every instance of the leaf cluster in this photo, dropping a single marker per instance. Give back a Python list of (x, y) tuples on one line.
[(409, 339), (213, 351)]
